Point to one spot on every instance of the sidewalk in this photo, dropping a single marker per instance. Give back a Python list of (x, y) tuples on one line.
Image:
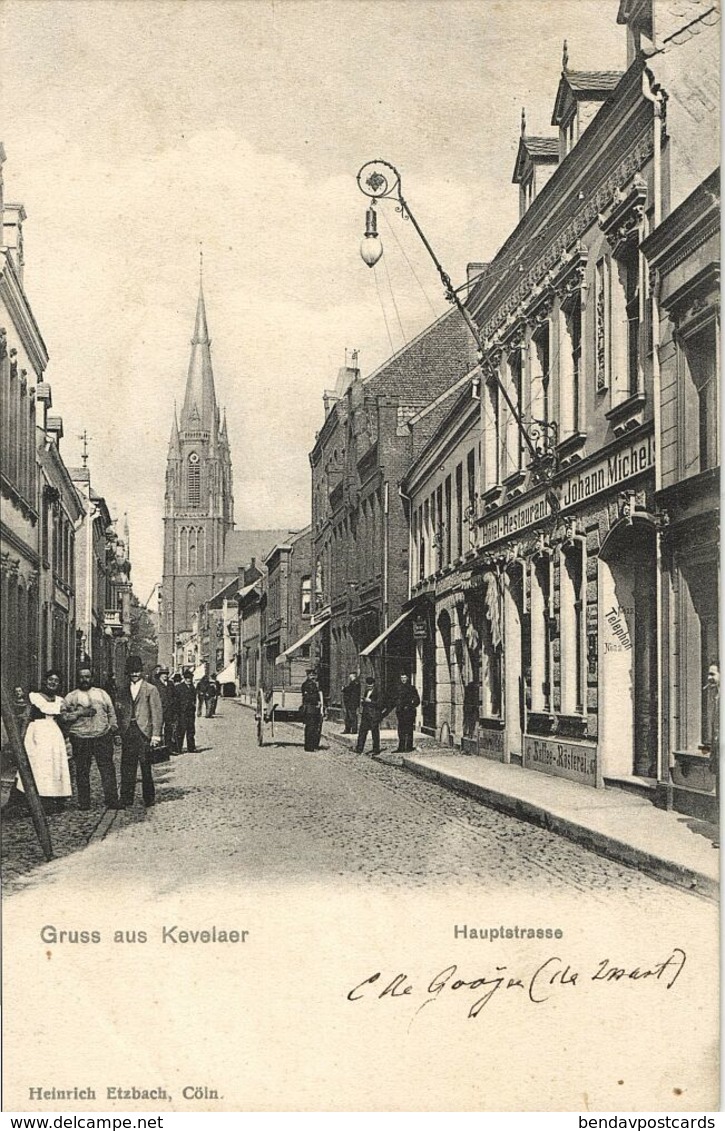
[(671, 847)]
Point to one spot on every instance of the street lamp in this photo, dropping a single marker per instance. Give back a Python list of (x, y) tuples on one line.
[(379, 180)]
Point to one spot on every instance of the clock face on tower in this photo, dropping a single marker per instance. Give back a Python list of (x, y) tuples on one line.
[(193, 458)]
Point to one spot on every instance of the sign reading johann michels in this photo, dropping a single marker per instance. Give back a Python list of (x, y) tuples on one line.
[(575, 490), (360, 700)]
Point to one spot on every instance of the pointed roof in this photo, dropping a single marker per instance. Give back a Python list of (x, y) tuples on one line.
[(534, 150), (174, 447), (200, 408)]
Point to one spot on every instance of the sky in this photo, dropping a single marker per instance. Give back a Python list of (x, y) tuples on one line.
[(137, 131)]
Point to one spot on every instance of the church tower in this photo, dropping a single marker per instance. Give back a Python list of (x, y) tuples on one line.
[(199, 507)]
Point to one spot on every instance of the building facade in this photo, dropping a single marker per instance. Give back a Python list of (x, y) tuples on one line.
[(684, 255), (23, 359), (558, 637), (359, 520), (286, 651), (103, 586)]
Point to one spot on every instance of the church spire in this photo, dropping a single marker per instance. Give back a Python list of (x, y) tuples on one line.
[(174, 448), (200, 408)]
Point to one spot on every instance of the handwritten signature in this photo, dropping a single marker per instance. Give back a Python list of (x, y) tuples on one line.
[(548, 978)]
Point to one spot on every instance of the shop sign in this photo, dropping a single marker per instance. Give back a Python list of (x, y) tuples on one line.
[(420, 628), (570, 760), (602, 475)]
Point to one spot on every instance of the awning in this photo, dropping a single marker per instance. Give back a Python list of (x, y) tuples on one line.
[(229, 674), (242, 593), (368, 651), (283, 656)]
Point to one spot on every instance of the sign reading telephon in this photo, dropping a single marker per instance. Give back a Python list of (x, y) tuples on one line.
[(598, 477)]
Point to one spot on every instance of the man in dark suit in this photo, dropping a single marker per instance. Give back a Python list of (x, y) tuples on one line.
[(140, 722), (311, 711), (406, 705), (186, 713), (351, 702), (370, 717), (167, 693)]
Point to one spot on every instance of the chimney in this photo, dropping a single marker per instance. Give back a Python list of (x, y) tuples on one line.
[(13, 216), (473, 271)]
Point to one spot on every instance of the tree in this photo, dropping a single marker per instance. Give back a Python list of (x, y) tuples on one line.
[(143, 641)]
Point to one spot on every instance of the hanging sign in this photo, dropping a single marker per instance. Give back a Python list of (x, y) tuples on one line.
[(420, 628)]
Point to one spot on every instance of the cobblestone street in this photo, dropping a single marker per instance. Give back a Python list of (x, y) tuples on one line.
[(335, 867), (279, 814)]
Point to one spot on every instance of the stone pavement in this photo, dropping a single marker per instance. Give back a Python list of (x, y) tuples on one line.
[(626, 827), (234, 813)]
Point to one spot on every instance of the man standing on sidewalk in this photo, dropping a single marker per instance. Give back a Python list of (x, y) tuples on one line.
[(91, 736), (186, 716), (370, 717), (311, 711), (351, 702), (141, 721), (406, 705)]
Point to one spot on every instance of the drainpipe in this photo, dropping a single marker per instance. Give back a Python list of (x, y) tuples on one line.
[(654, 94), (408, 511), (386, 550)]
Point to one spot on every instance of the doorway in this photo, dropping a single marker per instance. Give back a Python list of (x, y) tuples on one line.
[(628, 705)]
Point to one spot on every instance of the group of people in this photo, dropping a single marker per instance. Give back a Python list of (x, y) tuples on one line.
[(140, 717), (364, 711)]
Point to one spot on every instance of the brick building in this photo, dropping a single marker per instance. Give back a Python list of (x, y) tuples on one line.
[(359, 521)]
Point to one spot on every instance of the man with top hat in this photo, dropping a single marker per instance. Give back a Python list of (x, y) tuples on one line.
[(140, 721), (311, 710)]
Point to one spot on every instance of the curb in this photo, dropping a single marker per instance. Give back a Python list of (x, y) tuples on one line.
[(666, 871)]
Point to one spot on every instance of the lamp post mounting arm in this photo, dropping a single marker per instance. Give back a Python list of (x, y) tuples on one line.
[(379, 180)]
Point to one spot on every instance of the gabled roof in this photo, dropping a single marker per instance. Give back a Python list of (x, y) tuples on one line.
[(227, 591), (419, 372), (539, 150), (595, 86), (241, 546)]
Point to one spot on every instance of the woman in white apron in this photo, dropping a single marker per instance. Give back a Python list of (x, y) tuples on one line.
[(45, 743)]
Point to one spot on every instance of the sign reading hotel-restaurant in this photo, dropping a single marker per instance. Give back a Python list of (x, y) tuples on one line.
[(577, 488)]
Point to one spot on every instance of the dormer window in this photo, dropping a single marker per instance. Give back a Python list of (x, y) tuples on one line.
[(536, 160), (579, 97)]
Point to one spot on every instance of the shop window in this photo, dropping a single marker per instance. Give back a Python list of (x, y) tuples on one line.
[(541, 634), (571, 589), (699, 433), (491, 656), (698, 651)]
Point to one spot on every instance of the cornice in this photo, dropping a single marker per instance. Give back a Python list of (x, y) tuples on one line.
[(18, 544), (52, 463), (18, 307), (569, 204)]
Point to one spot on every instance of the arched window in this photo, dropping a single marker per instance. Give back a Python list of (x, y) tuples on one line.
[(193, 480)]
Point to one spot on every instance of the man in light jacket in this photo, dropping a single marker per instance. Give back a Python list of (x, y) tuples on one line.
[(140, 721), (92, 736)]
